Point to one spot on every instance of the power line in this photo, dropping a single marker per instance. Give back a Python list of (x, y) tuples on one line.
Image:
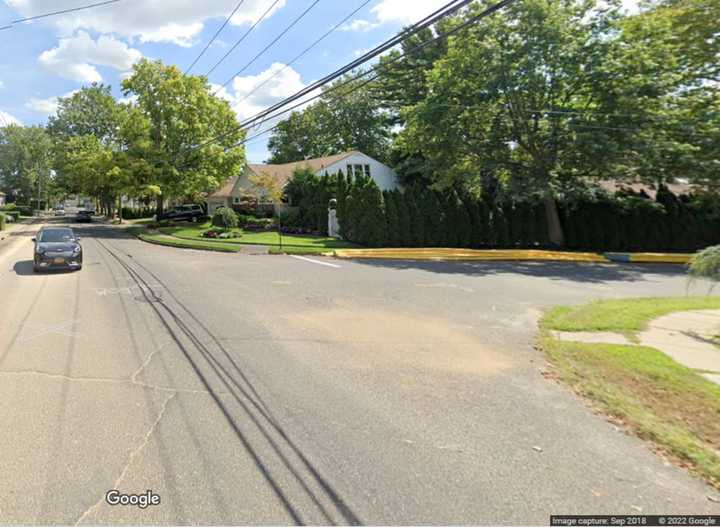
[(271, 44), (305, 51), (250, 29), (61, 12), (444, 11), (487, 12), (215, 36)]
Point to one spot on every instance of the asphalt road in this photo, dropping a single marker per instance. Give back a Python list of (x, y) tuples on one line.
[(273, 390)]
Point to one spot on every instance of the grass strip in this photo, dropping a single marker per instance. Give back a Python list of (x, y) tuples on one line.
[(623, 315), (649, 393)]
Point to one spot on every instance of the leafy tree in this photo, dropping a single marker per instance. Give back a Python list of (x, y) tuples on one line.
[(92, 119), (348, 118), (659, 98), (267, 187), (183, 114), (484, 108), (92, 110), (25, 162)]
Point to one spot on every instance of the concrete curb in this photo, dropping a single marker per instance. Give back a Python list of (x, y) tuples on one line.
[(450, 254)]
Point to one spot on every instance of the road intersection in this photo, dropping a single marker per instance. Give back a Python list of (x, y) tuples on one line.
[(268, 389)]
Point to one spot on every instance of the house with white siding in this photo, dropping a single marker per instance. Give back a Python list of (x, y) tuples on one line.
[(238, 188)]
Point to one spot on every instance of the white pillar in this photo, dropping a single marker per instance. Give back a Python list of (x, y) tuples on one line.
[(333, 226)]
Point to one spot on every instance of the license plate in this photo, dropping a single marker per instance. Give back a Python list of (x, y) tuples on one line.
[(59, 260)]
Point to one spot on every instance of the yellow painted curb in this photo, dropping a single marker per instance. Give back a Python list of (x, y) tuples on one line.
[(660, 258), (443, 253)]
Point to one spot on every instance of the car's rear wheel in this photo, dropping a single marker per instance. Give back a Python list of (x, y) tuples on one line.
[(194, 219)]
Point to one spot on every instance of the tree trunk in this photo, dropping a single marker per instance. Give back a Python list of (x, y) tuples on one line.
[(159, 206), (555, 230)]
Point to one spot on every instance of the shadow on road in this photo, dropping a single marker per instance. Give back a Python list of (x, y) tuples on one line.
[(194, 338), (25, 268), (576, 272)]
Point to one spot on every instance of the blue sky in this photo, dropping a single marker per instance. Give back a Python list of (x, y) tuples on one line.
[(44, 59)]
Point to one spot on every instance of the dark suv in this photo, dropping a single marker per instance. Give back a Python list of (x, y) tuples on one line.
[(193, 213)]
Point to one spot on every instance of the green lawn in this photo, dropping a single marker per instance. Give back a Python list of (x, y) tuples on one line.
[(162, 239), (640, 387), (625, 315), (291, 243)]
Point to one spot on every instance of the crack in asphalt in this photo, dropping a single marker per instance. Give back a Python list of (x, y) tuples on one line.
[(131, 459), (132, 380)]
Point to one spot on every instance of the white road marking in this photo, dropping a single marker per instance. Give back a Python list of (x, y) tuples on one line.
[(315, 261)]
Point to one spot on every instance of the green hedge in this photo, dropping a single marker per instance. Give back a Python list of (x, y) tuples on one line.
[(2, 220), (24, 210), (134, 214), (421, 217), (630, 223)]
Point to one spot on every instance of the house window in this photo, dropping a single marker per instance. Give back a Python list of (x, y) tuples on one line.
[(237, 200), (349, 170), (358, 170), (367, 170)]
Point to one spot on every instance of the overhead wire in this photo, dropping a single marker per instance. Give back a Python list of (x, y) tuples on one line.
[(271, 44), (56, 13), (215, 36), (444, 11), (242, 38), (263, 116), (305, 51)]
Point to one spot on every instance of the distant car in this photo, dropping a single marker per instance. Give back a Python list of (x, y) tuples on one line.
[(59, 211), (193, 213), (84, 216), (57, 247)]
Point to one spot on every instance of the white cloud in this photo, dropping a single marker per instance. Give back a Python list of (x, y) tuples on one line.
[(246, 104), (7, 119), (75, 57), (359, 25), (2, 85), (176, 21), (403, 11), (46, 106)]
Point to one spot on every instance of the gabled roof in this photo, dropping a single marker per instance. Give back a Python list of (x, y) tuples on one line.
[(226, 190), (283, 172)]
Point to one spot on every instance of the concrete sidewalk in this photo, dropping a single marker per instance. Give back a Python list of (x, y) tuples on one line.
[(688, 337)]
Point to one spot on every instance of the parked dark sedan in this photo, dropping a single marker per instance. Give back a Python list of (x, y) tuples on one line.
[(57, 247), (84, 216), (193, 213)]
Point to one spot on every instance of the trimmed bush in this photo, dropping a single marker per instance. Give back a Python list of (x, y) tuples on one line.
[(134, 214), (706, 264), (2, 221), (15, 215), (225, 218)]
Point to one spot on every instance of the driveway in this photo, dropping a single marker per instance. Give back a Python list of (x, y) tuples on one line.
[(255, 389)]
